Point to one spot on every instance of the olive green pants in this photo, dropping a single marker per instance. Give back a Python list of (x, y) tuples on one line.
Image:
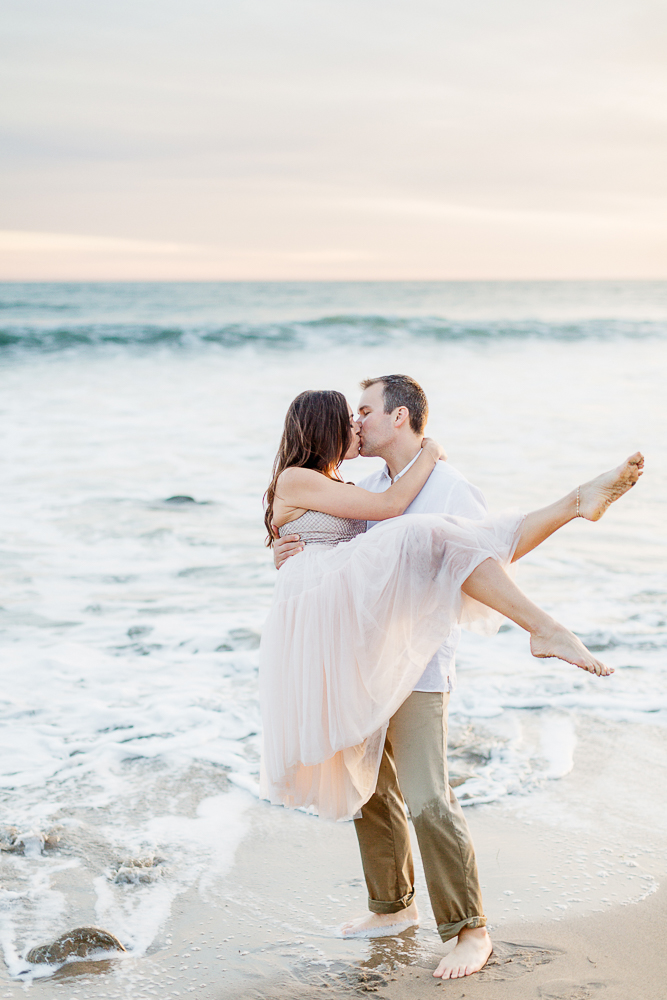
[(413, 771)]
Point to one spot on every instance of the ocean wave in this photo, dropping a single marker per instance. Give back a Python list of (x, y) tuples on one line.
[(9, 305), (362, 330)]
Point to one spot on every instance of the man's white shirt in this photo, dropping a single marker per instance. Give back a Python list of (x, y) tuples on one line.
[(446, 491)]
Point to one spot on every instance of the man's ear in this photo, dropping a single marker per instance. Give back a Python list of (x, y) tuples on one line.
[(401, 414)]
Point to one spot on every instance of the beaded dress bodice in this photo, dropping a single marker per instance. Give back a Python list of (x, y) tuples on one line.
[(316, 528)]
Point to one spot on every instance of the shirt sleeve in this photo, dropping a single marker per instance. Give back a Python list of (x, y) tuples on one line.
[(467, 500), (364, 484)]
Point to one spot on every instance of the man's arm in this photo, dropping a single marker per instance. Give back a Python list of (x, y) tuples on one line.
[(283, 548), (464, 500)]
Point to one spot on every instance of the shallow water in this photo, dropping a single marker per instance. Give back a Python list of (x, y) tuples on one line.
[(130, 624)]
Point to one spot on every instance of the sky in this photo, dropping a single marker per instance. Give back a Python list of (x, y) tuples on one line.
[(333, 139)]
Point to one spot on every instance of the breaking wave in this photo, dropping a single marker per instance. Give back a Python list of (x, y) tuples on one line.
[(327, 331)]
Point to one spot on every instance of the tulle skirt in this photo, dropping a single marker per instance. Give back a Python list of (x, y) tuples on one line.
[(349, 634)]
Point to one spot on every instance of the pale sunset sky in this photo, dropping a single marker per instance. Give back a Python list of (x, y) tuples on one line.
[(313, 139)]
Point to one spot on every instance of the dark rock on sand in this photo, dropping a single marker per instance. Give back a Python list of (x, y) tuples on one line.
[(80, 942)]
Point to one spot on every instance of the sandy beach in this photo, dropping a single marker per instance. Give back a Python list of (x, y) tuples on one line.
[(554, 937), (242, 948), (571, 879)]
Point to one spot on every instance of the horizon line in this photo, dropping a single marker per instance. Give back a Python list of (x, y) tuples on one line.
[(326, 281)]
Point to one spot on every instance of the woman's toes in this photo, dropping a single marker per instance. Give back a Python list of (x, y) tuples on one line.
[(600, 669)]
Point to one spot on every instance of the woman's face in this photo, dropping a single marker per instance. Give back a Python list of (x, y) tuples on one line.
[(353, 445)]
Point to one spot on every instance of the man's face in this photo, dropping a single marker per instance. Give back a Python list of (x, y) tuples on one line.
[(377, 427)]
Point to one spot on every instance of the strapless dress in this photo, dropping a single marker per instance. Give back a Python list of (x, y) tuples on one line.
[(355, 619), (316, 528)]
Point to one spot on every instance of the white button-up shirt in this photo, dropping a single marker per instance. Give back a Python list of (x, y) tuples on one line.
[(446, 491)]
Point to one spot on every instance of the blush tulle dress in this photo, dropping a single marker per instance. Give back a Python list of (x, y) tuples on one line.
[(355, 619)]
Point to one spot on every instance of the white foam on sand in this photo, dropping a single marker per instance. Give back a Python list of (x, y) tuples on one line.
[(201, 851), (378, 932), (558, 742), (105, 738)]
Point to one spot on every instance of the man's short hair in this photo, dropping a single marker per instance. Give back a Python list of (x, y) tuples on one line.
[(401, 390)]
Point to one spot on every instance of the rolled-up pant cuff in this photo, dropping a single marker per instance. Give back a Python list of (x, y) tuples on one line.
[(449, 931), (393, 905)]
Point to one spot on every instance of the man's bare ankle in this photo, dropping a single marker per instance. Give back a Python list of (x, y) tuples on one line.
[(381, 924), (480, 932)]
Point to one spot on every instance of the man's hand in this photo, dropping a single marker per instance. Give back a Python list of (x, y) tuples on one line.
[(283, 548)]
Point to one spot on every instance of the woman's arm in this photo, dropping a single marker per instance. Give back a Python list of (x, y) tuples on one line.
[(309, 490)]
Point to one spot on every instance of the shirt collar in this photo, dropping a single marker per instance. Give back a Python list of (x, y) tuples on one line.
[(403, 471)]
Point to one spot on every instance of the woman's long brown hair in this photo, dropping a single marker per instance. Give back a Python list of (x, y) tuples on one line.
[(316, 436)]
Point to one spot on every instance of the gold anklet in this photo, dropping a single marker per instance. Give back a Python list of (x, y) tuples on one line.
[(578, 514)]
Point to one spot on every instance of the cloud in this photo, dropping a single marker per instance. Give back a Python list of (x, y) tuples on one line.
[(20, 242), (354, 139), (55, 256)]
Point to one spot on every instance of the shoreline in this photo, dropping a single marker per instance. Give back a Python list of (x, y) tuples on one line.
[(570, 875), (270, 935)]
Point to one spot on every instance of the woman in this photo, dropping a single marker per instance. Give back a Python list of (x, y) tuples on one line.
[(357, 615)]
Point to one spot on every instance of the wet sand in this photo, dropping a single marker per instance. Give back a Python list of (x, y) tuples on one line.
[(619, 952), (272, 935), (571, 888), (616, 956)]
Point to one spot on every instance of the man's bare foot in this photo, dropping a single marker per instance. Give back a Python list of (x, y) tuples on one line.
[(559, 641), (596, 496), (471, 954), (381, 924)]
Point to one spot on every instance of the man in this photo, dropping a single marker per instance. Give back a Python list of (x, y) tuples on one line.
[(392, 411)]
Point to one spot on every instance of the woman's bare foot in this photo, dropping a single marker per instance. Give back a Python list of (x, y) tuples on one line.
[(381, 924), (472, 952), (596, 496), (559, 641)]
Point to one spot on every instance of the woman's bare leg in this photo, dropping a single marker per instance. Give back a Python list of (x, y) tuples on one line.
[(491, 585), (594, 498)]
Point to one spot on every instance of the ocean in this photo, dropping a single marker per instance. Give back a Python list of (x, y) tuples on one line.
[(139, 425)]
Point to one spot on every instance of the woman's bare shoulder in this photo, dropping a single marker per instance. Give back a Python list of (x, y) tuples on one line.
[(296, 476)]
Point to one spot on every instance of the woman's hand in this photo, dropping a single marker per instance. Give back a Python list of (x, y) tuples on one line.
[(437, 452)]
